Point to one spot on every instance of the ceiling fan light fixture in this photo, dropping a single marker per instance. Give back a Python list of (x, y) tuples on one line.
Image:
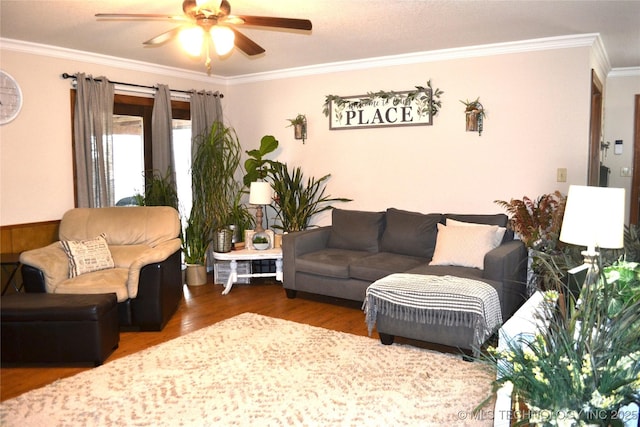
[(191, 39), (223, 39)]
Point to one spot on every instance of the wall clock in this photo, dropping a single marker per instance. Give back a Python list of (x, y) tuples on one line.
[(10, 98)]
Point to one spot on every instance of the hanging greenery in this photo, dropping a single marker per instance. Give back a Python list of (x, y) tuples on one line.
[(428, 98)]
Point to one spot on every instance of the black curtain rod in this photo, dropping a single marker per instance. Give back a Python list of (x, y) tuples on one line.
[(73, 76)]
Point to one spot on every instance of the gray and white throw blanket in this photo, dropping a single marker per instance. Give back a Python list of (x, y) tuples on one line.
[(445, 300)]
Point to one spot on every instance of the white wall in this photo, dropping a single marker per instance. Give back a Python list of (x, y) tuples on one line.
[(618, 124), (36, 172), (538, 120)]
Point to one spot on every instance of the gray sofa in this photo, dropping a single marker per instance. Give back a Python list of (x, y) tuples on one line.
[(360, 247)]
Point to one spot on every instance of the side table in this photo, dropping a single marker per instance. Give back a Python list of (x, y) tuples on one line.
[(249, 255), (10, 266)]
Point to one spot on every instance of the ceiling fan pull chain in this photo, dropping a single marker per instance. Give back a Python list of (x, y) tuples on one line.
[(207, 47)]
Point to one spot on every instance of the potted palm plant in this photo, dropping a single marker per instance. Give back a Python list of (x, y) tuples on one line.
[(215, 162)]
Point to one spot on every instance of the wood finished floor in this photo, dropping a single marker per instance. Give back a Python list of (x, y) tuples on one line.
[(203, 306)]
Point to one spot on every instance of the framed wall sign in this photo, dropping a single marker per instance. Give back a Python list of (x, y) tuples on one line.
[(383, 109)]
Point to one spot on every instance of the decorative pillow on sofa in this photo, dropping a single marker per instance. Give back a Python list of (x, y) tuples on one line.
[(499, 232), (463, 246), (88, 255), (410, 233), (355, 230), (501, 220)]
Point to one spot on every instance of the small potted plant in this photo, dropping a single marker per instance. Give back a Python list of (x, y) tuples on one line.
[(194, 246), (260, 241), (299, 124)]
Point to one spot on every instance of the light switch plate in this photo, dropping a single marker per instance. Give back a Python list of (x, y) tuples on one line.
[(562, 175)]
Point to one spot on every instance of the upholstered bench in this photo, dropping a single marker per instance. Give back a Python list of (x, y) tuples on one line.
[(446, 310), (58, 328)]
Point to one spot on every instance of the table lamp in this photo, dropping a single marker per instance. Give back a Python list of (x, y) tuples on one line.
[(259, 194), (594, 217)]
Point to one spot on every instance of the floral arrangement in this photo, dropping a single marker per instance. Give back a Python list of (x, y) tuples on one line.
[(585, 365)]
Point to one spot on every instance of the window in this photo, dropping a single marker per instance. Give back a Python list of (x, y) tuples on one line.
[(132, 148)]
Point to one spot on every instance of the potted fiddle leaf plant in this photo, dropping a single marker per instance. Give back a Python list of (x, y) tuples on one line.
[(297, 199)]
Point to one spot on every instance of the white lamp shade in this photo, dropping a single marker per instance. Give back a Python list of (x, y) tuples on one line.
[(260, 193), (594, 217), (223, 39), (191, 40)]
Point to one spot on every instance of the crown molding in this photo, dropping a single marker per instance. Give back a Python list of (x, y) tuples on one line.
[(624, 72), (548, 43), (111, 61), (600, 55)]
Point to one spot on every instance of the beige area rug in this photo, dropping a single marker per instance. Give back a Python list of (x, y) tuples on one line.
[(257, 370)]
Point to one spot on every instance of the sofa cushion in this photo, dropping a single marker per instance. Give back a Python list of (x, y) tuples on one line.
[(150, 225), (382, 264), (497, 239), (97, 282), (329, 262), (501, 220), (463, 246), (410, 233), (87, 255), (356, 230)]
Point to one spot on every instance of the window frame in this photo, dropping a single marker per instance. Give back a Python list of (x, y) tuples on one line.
[(139, 106)]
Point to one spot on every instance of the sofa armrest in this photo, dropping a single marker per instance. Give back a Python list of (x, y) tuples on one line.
[(300, 243), (507, 264), (153, 255), (51, 260), (159, 293)]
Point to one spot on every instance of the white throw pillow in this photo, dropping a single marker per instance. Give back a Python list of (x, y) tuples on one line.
[(88, 255), (463, 246), (499, 232)]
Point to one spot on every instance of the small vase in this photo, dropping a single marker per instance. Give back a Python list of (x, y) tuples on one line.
[(223, 240), (472, 121)]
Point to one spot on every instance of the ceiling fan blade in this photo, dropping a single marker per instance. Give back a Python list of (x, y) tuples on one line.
[(268, 21), (247, 45), (230, 19), (134, 16), (163, 38)]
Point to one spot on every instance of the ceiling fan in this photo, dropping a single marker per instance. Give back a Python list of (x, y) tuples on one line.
[(211, 18)]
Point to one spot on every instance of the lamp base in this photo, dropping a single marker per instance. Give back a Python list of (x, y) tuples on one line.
[(259, 228), (591, 259)]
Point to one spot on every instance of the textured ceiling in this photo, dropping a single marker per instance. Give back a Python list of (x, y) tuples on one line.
[(343, 30)]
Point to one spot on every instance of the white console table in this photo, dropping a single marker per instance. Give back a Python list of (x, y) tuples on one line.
[(249, 255)]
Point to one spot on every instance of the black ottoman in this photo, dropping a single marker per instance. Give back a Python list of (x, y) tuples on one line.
[(58, 328)]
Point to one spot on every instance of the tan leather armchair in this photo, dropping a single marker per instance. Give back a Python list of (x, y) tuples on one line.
[(144, 245)]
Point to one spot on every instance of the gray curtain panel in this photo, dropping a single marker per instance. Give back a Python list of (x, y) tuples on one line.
[(93, 133), (162, 134), (206, 108)]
